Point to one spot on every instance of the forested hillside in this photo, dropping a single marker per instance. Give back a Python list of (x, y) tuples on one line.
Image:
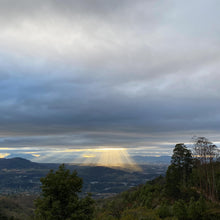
[(189, 191)]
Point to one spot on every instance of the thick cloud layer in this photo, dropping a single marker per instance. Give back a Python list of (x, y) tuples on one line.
[(108, 73)]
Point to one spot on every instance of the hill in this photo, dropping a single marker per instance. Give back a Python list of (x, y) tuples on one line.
[(20, 175), (17, 163), (190, 190)]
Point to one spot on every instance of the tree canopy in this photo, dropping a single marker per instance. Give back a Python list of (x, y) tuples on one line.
[(206, 153), (180, 169), (60, 199)]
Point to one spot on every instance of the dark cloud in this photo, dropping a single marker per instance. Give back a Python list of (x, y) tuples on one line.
[(107, 73), (72, 8)]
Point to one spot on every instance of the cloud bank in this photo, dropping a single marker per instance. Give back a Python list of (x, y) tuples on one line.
[(108, 73)]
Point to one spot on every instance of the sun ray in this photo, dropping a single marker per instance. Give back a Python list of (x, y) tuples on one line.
[(3, 155), (110, 157)]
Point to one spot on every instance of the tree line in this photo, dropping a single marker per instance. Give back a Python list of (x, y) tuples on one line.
[(190, 190), (196, 168)]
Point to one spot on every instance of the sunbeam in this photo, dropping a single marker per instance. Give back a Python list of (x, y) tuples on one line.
[(111, 157)]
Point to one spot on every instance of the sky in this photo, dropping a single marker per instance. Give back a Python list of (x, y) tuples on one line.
[(77, 76)]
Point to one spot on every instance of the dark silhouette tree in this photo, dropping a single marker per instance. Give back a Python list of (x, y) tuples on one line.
[(183, 161), (206, 154), (178, 173), (60, 199)]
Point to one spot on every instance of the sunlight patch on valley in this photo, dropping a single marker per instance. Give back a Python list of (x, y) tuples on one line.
[(110, 157)]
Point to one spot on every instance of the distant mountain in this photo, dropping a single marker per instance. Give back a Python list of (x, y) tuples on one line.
[(137, 159), (22, 163), (152, 160), (17, 163), (25, 156)]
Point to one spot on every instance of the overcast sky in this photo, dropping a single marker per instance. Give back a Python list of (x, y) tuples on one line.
[(137, 74)]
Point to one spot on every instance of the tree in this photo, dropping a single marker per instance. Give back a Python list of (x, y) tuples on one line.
[(172, 182), (206, 153), (205, 150), (60, 200), (183, 161), (179, 171)]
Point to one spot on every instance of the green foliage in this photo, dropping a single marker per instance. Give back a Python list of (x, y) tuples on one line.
[(60, 198), (217, 177), (179, 210), (116, 207), (139, 213), (172, 181), (178, 173), (177, 196), (196, 209), (11, 207), (147, 195), (206, 153), (164, 210), (138, 203)]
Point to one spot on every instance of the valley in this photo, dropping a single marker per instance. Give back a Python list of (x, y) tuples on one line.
[(21, 176)]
